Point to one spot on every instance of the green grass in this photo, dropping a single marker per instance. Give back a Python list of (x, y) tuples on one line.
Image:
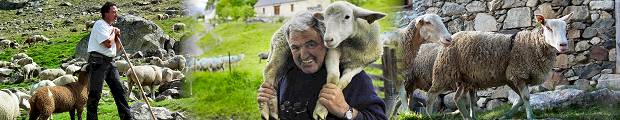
[(603, 112)]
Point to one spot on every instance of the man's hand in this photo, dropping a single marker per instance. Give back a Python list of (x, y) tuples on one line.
[(117, 32), (266, 92), (332, 98), (107, 43)]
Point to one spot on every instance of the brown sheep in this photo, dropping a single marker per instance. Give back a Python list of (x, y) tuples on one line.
[(57, 99)]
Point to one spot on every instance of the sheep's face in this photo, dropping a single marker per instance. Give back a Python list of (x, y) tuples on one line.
[(432, 29), (554, 31), (339, 19)]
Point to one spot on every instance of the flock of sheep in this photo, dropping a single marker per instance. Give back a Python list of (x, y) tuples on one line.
[(436, 60)]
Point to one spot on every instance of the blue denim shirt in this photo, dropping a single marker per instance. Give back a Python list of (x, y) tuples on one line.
[(298, 94)]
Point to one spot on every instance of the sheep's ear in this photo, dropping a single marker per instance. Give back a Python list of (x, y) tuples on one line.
[(370, 16), (318, 16), (566, 18), (540, 19)]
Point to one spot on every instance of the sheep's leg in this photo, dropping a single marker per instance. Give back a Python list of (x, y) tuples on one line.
[(152, 88), (130, 86), (472, 103), (525, 97), (34, 113), (515, 106), (79, 112), (347, 75), (72, 114), (433, 95), (332, 62), (461, 101)]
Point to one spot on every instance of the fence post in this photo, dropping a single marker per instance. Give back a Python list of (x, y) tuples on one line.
[(389, 73)]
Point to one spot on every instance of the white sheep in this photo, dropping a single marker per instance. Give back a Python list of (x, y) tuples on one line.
[(40, 84), (23, 61), (177, 62), (478, 60), (65, 79), (4, 64), (8, 44), (122, 66), (50, 74), (9, 107), (72, 69), (19, 56), (148, 75), (30, 70)]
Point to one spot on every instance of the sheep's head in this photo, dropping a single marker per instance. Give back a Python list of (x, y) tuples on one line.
[(432, 29), (339, 19), (554, 31)]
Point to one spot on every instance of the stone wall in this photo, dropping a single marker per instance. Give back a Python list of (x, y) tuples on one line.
[(590, 32)]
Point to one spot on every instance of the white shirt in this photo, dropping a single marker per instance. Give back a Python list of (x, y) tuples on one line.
[(101, 31)]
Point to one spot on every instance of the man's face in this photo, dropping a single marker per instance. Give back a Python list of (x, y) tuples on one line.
[(307, 49), (111, 14)]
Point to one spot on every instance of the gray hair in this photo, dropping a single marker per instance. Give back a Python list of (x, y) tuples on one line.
[(302, 21)]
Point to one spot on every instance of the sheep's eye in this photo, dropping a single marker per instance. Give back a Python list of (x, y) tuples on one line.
[(346, 17)]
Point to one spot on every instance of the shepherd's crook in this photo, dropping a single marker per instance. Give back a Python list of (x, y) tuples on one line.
[(136, 78)]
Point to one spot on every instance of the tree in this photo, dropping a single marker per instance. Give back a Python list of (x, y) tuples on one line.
[(236, 9)]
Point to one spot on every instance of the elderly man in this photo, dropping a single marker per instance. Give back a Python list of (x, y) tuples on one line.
[(302, 85), (103, 43)]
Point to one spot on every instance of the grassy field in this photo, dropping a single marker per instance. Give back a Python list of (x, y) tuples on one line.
[(598, 112)]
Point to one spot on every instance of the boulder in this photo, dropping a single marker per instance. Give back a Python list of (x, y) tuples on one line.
[(485, 22), (452, 9), (518, 17), (12, 4), (609, 81), (139, 111), (137, 34)]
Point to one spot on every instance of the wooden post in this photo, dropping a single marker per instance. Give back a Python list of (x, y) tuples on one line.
[(617, 9), (389, 73)]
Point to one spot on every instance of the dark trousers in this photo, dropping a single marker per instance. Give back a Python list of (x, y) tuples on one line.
[(100, 69)]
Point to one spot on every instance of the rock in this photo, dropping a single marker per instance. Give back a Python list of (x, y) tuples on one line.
[(179, 116), (583, 84), (476, 6), (6, 72), (138, 54), (574, 34), (603, 96), (140, 111), (12, 4), (455, 25), (546, 10), (494, 104), (604, 27), (573, 78), (448, 101), (609, 81), (589, 71), (518, 17), (484, 93), (66, 4), (599, 53), (485, 22), (561, 61), (601, 5), (589, 32), (536, 89), (501, 92), (162, 98), (513, 3), (605, 15), (606, 71), (580, 13), (577, 2), (554, 99), (171, 92), (578, 25), (569, 73), (582, 45), (432, 10), (139, 34), (452, 9), (595, 40), (177, 85), (496, 5), (562, 87), (562, 3), (531, 3), (554, 80), (612, 54), (482, 102), (418, 99)]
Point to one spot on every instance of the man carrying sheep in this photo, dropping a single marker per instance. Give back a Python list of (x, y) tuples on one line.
[(102, 47), (304, 83)]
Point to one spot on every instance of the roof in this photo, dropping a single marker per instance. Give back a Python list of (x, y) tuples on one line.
[(261, 3)]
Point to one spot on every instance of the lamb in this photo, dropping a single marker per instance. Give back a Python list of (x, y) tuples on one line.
[(177, 62), (40, 84), (72, 69), (149, 75), (56, 99), (31, 70), (122, 66), (65, 79), (36, 38), (262, 56), (479, 60), (11, 101), (50, 74)]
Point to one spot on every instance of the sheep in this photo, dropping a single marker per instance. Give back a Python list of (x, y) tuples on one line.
[(65, 79), (233, 59), (31, 70), (50, 74), (162, 16), (211, 64), (122, 66), (19, 56), (178, 27), (72, 69), (177, 62), (36, 38), (4, 64), (56, 99), (478, 60), (11, 101), (148, 75), (40, 84), (23, 61), (177, 75), (8, 44)]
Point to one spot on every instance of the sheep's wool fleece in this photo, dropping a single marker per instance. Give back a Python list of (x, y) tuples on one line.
[(486, 59), (9, 108)]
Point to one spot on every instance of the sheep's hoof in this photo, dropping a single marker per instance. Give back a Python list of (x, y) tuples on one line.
[(273, 108), (320, 112), (264, 111)]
